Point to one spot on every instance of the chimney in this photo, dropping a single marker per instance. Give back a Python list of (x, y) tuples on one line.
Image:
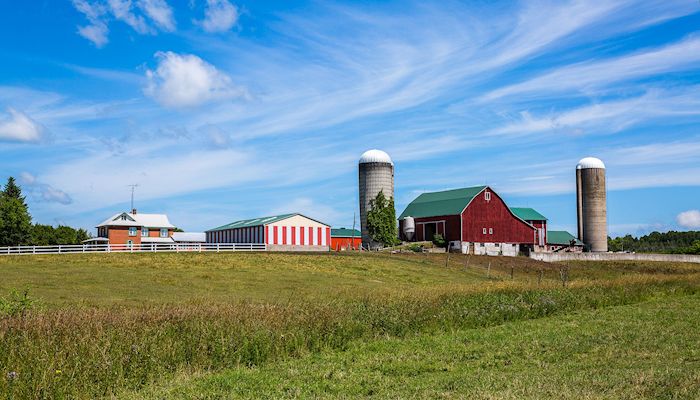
[(133, 211)]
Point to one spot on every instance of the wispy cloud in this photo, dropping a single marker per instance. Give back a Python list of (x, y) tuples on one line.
[(591, 75), (43, 191)]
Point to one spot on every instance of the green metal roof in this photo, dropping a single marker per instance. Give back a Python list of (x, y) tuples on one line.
[(448, 202), (562, 238), (245, 223), (345, 232), (527, 214)]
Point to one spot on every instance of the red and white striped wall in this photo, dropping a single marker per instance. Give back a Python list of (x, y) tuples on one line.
[(298, 230)]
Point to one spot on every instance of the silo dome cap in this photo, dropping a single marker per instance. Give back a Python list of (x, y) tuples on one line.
[(590, 162), (375, 156)]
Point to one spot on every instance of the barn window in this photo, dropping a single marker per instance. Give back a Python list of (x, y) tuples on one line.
[(490, 231), (487, 196), (164, 232), (484, 231), (144, 232), (132, 231)]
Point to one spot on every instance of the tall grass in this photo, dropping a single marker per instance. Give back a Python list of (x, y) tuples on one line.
[(89, 353)]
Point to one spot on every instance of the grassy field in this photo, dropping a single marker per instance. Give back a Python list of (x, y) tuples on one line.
[(173, 325), (641, 351)]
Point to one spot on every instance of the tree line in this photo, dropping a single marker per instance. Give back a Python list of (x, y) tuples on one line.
[(17, 229), (673, 242)]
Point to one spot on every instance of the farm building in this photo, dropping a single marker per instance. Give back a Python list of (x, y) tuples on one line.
[(534, 218), (474, 219), (135, 229), (287, 232), (345, 239), (563, 242)]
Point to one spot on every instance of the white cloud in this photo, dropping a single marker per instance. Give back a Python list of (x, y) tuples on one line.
[(17, 126), (689, 219), (159, 12), (97, 30), (219, 16), (42, 191), (185, 80), (122, 10), (100, 12)]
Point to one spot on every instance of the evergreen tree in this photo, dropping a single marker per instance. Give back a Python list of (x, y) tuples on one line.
[(15, 221), (381, 220)]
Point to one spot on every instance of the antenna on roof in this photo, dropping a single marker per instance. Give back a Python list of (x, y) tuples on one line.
[(133, 188)]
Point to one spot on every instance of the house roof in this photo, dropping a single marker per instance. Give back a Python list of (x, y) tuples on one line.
[(147, 220), (189, 237), (528, 214), (563, 238), (345, 232), (447, 202), (246, 223)]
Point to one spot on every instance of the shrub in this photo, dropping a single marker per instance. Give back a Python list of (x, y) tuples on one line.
[(439, 240)]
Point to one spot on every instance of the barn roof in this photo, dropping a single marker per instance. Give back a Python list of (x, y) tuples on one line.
[(345, 232), (528, 214), (247, 223), (447, 202), (563, 238)]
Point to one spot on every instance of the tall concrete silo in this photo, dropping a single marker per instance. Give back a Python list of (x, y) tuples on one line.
[(591, 204), (376, 174)]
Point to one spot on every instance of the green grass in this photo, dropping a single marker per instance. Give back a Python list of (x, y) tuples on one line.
[(135, 279), (118, 323), (640, 351)]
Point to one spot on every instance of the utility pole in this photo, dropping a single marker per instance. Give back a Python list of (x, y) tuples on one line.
[(133, 188), (352, 244)]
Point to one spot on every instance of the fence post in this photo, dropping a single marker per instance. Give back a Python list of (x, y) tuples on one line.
[(539, 277), (59, 249), (447, 260), (217, 247), (33, 249), (511, 272), (488, 270)]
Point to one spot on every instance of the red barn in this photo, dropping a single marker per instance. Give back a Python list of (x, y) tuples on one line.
[(474, 219), (532, 217), (345, 239)]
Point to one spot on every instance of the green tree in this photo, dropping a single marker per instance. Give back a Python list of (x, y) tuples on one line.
[(15, 221), (43, 235), (381, 220)]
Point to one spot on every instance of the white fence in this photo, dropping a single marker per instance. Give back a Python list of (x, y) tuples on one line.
[(135, 248)]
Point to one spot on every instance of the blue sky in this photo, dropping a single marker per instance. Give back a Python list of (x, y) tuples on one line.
[(224, 110)]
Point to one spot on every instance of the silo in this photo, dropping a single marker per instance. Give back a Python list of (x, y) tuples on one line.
[(591, 204), (409, 228), (376, 174)]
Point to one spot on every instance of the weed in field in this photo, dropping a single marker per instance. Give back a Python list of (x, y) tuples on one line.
[(16, 304)]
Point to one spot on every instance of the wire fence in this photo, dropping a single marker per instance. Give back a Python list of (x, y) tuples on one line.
[(133, 248)]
